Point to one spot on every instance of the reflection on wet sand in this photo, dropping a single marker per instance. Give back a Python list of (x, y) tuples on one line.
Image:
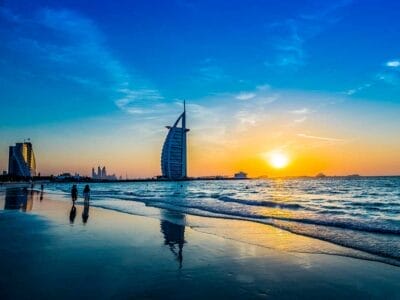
[(17, 198), (72, 214), (174, 233), (85, 213)]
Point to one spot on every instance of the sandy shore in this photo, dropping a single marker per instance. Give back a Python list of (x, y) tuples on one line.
[(50, 252)]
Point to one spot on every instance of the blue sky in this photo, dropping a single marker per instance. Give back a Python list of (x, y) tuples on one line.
[(74, 66)]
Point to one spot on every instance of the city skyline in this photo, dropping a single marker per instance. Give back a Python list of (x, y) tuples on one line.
[(272, 89)]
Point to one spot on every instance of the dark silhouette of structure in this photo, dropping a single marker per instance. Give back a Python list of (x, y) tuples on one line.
[(21, 160), (174, 151)]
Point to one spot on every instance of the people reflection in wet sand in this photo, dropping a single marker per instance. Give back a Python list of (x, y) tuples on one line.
[(85, 213), (86, 196), (41, 192), (174, 234), (72, 214)]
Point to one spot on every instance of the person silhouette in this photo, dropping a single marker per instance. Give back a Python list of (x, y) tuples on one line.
[(74, 193), (72, 214), (86, 193), (41, 192)]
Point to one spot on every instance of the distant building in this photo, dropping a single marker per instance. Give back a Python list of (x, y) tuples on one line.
[(102, 174), (240, 175), (21, 160), (68, 177), (173, 155)]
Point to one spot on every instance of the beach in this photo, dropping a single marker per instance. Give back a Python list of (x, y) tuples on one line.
[(47, 253)]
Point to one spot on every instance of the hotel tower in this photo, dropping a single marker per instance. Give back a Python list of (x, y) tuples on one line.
[(21, 160), (173, 155)]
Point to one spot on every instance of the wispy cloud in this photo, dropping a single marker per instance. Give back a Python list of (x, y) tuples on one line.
[(358, 89), (291, 35), (390, 78), (321, 138), (301, 120), (79, 55), (245, 96), (393, 63), (302, 111), (388, 74), (137, 101)]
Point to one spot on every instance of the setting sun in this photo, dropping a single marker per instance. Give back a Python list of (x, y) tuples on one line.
[(278, 160)]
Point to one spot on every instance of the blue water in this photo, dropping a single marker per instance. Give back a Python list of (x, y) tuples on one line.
[(359, 213)]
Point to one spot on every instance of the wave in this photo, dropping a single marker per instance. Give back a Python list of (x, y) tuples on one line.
[(263, 203), (370, 226), (350, 224)]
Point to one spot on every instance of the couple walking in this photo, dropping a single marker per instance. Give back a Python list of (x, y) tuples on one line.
[(86, 196), (74, 193)]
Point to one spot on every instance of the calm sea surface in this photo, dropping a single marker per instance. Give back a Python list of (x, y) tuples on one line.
[(360, 213)]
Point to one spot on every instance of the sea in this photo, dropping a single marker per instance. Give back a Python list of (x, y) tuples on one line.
[(361, 213)]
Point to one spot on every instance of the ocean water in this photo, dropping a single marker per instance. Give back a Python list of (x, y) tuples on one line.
[(358, 213)]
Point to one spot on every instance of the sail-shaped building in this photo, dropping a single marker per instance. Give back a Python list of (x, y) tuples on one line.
[(21, 160), (173, 155)]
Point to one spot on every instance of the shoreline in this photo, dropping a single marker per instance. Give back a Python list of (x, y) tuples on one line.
[(46, 179), (196, 251)]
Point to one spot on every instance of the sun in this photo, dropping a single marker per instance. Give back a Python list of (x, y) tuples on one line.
[(278, 160)]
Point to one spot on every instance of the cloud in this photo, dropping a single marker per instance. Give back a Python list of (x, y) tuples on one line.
[(137, 101), (389, 75), (358, 89), (328, 139), (393, 63), (289, 46), (302, 111), (390, 78), (72, 49), (246, 118), (290, 35), (301, 120), (245, 96), (263, 87)]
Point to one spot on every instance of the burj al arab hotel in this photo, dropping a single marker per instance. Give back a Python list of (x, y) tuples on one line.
[(174, 151)]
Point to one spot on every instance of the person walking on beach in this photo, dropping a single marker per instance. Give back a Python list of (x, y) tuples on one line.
[(86, 193), (74, 193), (41, 192), (86, 196)]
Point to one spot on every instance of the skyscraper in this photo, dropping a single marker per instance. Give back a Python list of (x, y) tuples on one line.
[(173, 155), (103, 172), (21, 160)]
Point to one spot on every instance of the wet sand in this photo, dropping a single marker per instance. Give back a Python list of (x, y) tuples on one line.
[(48, 251)]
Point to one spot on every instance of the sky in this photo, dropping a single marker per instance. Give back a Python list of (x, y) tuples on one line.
[(95, 83)]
